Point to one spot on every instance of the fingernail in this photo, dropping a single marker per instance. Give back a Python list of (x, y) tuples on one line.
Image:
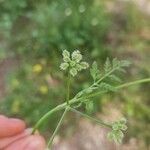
[(29, 130), (16, 121)]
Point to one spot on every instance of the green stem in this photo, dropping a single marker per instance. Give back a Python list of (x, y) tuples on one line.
[(74, 100), (121, 86), (133, 83), (57, 128), (68, 89), (97, 82), (100, 122), (45, 117), (49, 113), (105, 76)]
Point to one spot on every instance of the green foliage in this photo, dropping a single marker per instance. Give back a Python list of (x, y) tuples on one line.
[(101, 79), (117, 130), (107, 66), (83, 96), (35, 32), (39, 30), (89, 105), (47, 23), (95, 73), (2, 54), (110, 67)]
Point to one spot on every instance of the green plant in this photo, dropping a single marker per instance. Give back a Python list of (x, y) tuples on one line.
[(101, 84), (47, 23), (31, 31)]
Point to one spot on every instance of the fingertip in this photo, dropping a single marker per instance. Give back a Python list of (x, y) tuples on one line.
[(36, 142), (3, 117), (11, 127), (5, 141), (17, 124)]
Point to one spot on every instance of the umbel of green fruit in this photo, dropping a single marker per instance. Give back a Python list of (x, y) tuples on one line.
[(73, 62)]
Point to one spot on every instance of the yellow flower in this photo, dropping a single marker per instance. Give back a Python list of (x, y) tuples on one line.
[(43, 89), (37, 68), (15, 106), (15, 83)]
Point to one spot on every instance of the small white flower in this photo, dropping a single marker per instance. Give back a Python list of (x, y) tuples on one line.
[(73, 72), (81, 8), (64, 66), (76, 56), (84, 65), (66, 56), (78, 67), (66, 53), (68, 11), (94, 21), (73, 62), (123, 120)]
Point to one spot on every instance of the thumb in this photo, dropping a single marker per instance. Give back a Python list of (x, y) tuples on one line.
[(36, 142)]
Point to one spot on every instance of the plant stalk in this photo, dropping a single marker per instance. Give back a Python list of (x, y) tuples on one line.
[(68, 89), (121, 86), (57, 128), (75, 100), (105, 76), (133, 83), (100, 122)]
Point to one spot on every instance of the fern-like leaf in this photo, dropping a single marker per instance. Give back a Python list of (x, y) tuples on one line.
[(95, 73), (114, 78), (107, 65), (106, 87)]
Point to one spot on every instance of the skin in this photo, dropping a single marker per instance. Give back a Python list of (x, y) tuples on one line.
[(15, 136)]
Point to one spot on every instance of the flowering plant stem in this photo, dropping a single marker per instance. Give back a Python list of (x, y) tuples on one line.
[(100, 122), (63, 115), (121, 86), (76, 100), (133, 83), (73, 64), (57, 128), (68, 88)]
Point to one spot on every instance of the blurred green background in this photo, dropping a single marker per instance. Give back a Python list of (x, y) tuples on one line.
[(33, 35)]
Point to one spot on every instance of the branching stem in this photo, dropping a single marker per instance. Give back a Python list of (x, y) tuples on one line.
[(133, 83), (121, 86), (57, 128), (75, 100), (68, 89), (100, 122), (105, 76)]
